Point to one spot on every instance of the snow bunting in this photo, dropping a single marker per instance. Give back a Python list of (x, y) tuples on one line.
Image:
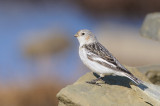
[(97, 58)]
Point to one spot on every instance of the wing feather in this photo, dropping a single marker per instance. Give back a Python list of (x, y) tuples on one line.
[(97, 50)]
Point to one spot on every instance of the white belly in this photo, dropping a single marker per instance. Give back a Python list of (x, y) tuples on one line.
[(94, 66)]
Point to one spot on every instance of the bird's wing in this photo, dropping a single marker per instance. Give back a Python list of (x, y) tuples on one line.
[(98, 53)]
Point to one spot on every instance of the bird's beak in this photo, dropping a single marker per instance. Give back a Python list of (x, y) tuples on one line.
[(76, 35)]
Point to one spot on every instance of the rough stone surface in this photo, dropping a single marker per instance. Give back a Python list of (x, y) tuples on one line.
[(151, 26), (113, 90), (150, 95)]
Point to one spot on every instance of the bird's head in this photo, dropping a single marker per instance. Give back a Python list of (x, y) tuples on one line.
[(85, 37)]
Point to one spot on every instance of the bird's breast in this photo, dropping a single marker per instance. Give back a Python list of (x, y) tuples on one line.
[(94, 66), (83, 55)]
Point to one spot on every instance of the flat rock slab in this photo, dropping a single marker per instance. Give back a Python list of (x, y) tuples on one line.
[(113, 90)]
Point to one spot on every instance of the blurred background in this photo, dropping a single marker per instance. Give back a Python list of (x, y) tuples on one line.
[(39, 54)]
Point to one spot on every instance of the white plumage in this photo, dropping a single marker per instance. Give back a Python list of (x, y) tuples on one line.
[(92, 65), (98, 59)]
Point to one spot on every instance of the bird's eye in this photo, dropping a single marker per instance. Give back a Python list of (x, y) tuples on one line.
[(83, 33)]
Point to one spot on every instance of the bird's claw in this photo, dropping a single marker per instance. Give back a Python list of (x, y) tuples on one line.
[(93, 82)]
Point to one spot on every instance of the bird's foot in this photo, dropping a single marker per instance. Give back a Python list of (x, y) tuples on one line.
[(94, 81)]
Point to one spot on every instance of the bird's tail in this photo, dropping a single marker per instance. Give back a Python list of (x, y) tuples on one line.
[(134, 79)]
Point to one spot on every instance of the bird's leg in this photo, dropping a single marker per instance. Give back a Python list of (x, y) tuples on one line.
[(95, 80)]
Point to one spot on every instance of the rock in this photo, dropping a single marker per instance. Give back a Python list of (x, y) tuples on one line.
[(145, 69), (152, 73), (154, 76), (114, 90), (46, 44), (151, 26), (150, 95)]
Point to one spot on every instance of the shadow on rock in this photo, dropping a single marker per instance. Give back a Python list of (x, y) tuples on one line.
[(119, 80), (115, 80), (142, 86)]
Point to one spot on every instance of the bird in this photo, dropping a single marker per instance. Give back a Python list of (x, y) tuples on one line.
[(98, 59)]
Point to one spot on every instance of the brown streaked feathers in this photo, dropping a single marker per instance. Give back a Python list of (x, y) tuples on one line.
[(100, 51)]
